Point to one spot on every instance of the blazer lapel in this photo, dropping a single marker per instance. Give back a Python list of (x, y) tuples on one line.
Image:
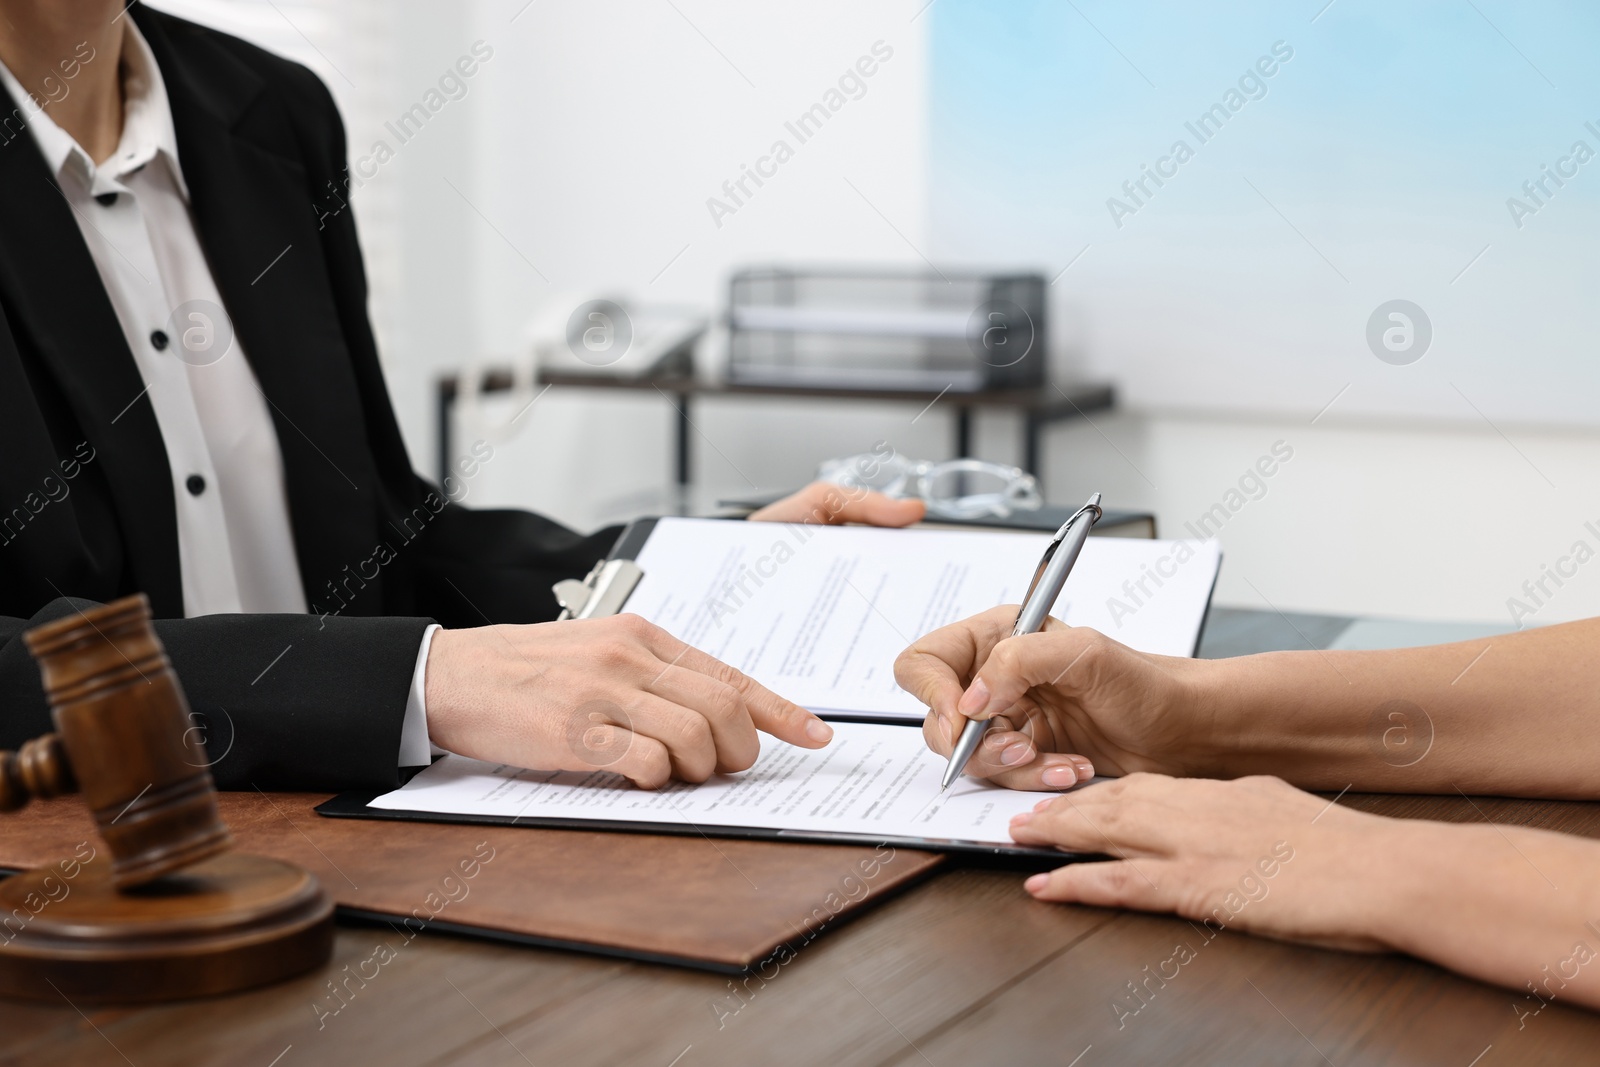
[(54, 296), (252, 207)]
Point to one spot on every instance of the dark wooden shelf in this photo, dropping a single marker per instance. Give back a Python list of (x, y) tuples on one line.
[(1039, 407)]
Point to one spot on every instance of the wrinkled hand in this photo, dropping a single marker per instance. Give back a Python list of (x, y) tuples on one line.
[(1069, 700), (617, 693), (824, 503), (1253, 854)]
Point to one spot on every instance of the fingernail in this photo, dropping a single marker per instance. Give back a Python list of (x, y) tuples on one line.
[(1036, 883), (1021, 818), (1060, 775), (976, 698), (1043, 804), (995, 739), (819, 731), (1020, 752), (1085, 770)]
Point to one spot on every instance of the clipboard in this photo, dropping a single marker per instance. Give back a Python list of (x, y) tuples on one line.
[(612, 580), (605, 591), (355, 805)]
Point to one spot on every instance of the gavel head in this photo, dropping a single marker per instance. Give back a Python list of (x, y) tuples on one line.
[(125, 724)]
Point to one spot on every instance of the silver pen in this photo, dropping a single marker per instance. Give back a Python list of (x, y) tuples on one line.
[(1051, 575)]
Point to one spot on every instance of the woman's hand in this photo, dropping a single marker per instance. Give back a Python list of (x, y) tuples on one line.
[(1069, 700), (1504, 904), (824, 503), (1252, 854)]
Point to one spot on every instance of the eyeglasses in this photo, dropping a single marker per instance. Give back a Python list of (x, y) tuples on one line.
[(952, 488)]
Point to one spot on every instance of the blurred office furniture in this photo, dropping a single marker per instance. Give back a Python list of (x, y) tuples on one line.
[(878, 329), (1038, 407), (619, 338), (968, 341)]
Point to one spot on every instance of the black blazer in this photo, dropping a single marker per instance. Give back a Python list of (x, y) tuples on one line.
[(86, 496)]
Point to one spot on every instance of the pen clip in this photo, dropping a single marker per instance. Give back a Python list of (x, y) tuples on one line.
[(1090, 506), (1055, 543), (1043, 563)]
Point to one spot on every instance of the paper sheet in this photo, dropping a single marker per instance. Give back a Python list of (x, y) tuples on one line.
[(818, 613), (876, 780)]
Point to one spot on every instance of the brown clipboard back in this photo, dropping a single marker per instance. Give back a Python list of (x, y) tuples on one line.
[(722, 905)]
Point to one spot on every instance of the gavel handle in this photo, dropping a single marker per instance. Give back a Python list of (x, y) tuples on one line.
[(40, 768)]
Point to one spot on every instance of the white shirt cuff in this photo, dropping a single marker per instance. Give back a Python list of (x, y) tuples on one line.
[(415, 751)]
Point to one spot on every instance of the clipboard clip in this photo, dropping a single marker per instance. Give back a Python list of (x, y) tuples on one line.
[(603, 592)]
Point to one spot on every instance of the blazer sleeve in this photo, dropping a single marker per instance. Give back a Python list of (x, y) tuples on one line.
[(490, 566), (279, 701)]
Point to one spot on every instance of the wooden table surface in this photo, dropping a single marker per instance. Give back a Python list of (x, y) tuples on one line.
[(962, 969)]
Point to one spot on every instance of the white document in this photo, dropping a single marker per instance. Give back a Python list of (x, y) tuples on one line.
[(818, 614), (872, 780)]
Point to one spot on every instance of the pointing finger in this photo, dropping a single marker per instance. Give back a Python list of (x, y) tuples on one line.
[(767, 710)]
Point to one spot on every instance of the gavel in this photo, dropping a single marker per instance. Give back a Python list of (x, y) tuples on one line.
[(177, 914), (124, 740)]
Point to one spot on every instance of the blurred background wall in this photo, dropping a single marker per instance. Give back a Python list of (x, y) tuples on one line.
[(1383, 158)]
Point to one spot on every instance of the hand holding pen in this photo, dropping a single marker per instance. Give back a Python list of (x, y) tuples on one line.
[(1048, 579)]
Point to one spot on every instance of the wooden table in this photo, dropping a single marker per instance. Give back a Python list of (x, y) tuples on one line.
[(963, 969)]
